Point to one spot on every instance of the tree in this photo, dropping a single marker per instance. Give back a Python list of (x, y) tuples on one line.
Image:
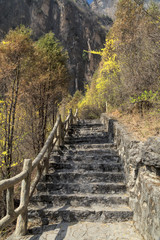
[(15, 49), (137, 32), (33, 79), (45, 86)]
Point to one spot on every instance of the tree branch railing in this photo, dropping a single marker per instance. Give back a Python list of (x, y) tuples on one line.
[(41, 162)]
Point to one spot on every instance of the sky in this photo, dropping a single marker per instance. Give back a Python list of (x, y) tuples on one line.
[(89, 1)]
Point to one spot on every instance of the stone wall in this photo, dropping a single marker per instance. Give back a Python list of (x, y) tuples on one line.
[(142, 169)]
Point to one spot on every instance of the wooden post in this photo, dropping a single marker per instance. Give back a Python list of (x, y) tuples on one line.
[(71, 119), (21, 227), (59, 133), (62, 134), (46, 161), (67, 125), (63, 111), (37, 178), (10, 201), (76, 116), (106, 107)]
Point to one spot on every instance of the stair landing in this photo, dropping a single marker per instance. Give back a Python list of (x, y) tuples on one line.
[(84, 231)]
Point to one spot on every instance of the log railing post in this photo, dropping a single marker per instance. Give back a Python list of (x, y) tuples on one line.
[(62, 134), (71, 118), (46, 161), (21, 227), (67, 125), (59, 133), (10, 201), (76, 116), (37, 178)]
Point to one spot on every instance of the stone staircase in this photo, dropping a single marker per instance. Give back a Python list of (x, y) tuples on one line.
[(86, 181)]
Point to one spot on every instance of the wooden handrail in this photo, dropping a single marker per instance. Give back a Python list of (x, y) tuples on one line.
[(68, 117), (7, 183), (41, 162), (46, 145)]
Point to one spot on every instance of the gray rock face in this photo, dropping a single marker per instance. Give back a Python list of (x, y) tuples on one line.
[(105, 7), (73, 23), (145, 200), (151, 152), (108, 7), (141, 166)]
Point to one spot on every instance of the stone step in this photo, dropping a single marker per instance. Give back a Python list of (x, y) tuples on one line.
[(88, 132), (91, 129), (89, 177), (87, 158), (82, 167), (90, 124), (75, 200), (85, 124), (70, 188), (68, 213), (89, 139), (92, 146), (90, 152)]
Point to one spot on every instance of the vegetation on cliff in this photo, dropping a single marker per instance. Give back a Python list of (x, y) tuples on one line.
[(128, 78)]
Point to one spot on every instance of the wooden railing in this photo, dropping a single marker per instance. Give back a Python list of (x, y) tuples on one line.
[(41, 162)]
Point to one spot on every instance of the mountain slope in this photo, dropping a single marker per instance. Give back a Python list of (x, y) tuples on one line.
[(108, 7), (104, 7), (73, 23)]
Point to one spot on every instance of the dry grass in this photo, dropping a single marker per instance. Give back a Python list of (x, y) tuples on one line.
[(140, 127)]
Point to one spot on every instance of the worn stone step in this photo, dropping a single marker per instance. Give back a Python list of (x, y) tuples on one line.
[(82, 167), (89, 131), (69, 188), (86, 158), (92, 146), (88, 177), (76, 200), (68, 213), (91, 127), (85, 125), (88, 139), (88, 135), (90, 123), (90, 152)]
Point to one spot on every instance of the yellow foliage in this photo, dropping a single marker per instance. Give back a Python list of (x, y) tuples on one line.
[(94, 101), (95, 52), (4, 153), (5, 43)]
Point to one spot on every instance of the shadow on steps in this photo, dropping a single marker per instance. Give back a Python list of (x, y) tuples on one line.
[(60, 229)]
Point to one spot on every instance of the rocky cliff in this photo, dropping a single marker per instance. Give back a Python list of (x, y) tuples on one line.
[(104, 7), (73, 23), (108, 7)]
